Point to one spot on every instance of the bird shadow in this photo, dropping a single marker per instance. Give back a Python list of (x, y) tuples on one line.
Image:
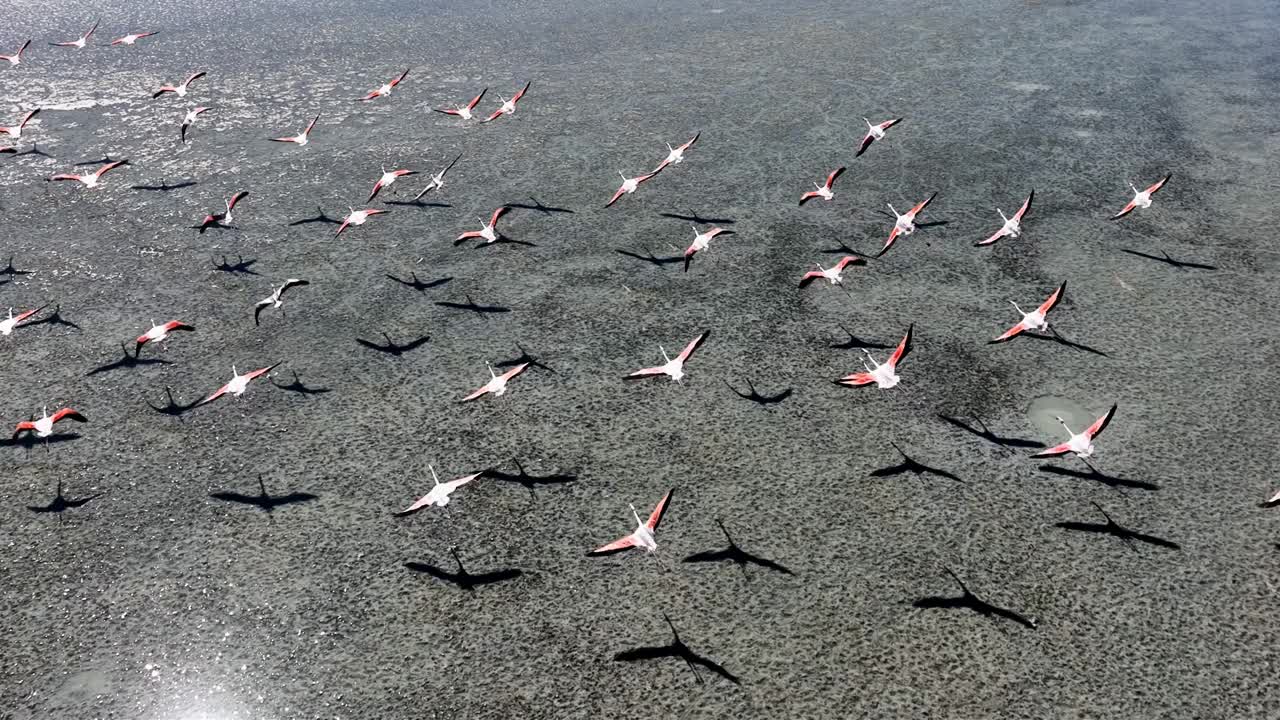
[(537, 206), (33, 150), (968, 601), (985, 433), (417, 204), (527, 481), (264, 501), (55, 318), (105, 159), (473, 307), (297, 387), (1115, 529), (856, 343), (843, 249), (524, 357), (28, 441), (1055, 337), (909, 465), (737, 556), (756, 397), (320, 218), (126, 362), (1164, 258), (1099, 476), (419, 285), (676, 649), (502, 240), (164, 186), (172, 408), (698, 219), (241, 266), (11, 271), (463, 579), (61, 503), (393, 348), (650, 258)]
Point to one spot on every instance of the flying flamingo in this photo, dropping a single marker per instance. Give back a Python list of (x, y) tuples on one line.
[(301, 139), (497, 383), (8, 326), (218, 219), (15, 131), (905, 223), (384, 89), (675, 155), (674, 367), (439, 495), (1012, 225), (358, 217), (387, 179), (464, 111), (81, 42), (132, 38), (508, 106), (1081, 444), (886, 375), (276, 298), (874, 132), (701, 240), (643, 535), (1034, 320), (437, 180), (160, 333), (91, 180), (43, 427), (832, 274), (238, 384), (824, 190), (16, 58), (181, 88), (190, 119), (1141, 198), (629, 185), (489, 232)]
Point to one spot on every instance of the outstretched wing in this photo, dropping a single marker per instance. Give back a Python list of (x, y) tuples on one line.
[(648, 372), (694, 344), (866, 143), (1127, 209), (834, 174), (904, 347), (616, 195), (477, 394), (1054, 451), (655, 517), (857, 379), (1010, 333), (810, 277), (807, 197), (1049, 304), (1156, 188), (1026, 205), (616, 546), (1101, 423)]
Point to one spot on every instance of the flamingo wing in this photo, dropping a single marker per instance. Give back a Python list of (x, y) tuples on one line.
[(621, 191), (920, 206), (807, 197), (25, 315), (65, 176), (493, 219), (1127, 209), (260, 371), (848, 260), (477, 394), (616, 546), (692, 140), (1026, 205), (425, 501), (655, 517), (69, 414), (476, 100), (694, 344), (345, 222), (177, 325), (1054, 451), (857, 379), (904, 347), (520, 94), (311, 124), (400, 79), (1049, 304), (23, 426), (998, 234), (866, 143), (649, 372), (889, 123), (1156, 187), (237, 198), (217, 394), (893, 235), (1011, 332), (831, 178), (810, 277), (514, 371), (377, 187), (496, 114), (1101, 423)]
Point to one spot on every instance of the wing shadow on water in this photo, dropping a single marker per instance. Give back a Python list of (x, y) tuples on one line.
[(736, 555), (61, 503), (652, 259), (909, 465), (264, 501), (856, 343), (1099, 476), (1115, 529), (968, 601), (164, 186), (172, 408), (241, 266), (537, 206), (11, 271), (529, 482), (1163, 257), (762, 400), (55, 318), (472, 306), (524, 357), (982, 431), (676, 649), (319, 218), (463, 579), (392, 348), (419, 285), (297, 387), (1055, 337), (127, 362)]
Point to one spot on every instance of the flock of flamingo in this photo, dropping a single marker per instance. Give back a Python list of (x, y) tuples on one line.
[(884, 375)]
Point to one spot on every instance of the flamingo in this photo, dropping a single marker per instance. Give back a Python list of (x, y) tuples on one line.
[(1080, 444), (439, 495), (92, 179), (874, 132), (387, 179), (464, 111), (833, 274), (238, 384), (1034, 320), (80, 42), (218, 219), (181, 88), (885, 376), (160, 333), (358, 217), (629, 185), (701, 240), (643, 535), (437, 180), (15, 131), (16, 58), (132, 38), (1012, 225), (1141, 198), (673, 367), (276, 298), (824, 190), (905, 223), (8, 326), (43, 427), (497, 383), (190, 119), (489, 230), (385, 89), (508, 106), (675, 155), (300, 139)]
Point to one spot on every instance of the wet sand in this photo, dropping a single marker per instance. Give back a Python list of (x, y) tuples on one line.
[(158, 600)]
